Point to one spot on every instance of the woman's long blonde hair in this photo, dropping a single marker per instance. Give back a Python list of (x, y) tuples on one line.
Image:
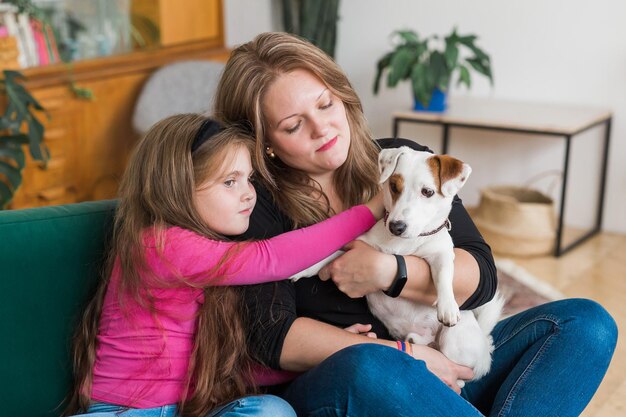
[(249, 73), (157, 192)]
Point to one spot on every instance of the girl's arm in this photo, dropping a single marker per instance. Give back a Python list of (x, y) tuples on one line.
[(191, 255)]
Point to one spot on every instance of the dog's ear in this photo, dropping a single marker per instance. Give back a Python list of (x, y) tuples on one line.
[(450, 172), (387, 161)]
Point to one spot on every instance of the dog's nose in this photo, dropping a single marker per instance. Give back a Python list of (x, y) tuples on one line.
[(397, 227)]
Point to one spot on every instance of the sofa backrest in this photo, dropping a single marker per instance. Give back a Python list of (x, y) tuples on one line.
[(50, 258)]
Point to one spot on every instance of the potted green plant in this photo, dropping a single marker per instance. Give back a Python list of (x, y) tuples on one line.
[(430, 65), (18, 126)]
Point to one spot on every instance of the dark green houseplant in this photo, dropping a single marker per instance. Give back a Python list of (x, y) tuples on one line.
[(314, 20), (430, 68), (18, 126)]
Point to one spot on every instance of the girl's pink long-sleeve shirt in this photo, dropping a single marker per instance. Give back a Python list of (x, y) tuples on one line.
[(142, 357)]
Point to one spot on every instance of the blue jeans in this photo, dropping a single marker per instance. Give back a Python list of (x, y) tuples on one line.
[(253, 406), (548, 361)]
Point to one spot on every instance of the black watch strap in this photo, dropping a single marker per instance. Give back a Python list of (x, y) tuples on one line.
[(400, 280)]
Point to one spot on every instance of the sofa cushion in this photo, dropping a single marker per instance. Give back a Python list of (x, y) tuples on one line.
[(50, 258)]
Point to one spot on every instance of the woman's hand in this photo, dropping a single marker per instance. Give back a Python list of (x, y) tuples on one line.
[(361, 270), (377, 206), (362, 329), (449, 372)]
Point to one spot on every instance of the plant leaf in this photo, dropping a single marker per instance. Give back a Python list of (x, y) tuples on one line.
[(400, 66), (10, 175), (20, 103), (452, 38), (14, 154), (407, 36), (38, 149), (18, 139), (481, 61), (479, 53), (420, 84), (380, 67), (6, 195), (452, 55), (439, 73), (480, 67), (11, 76), (464, 76), (467, 40)]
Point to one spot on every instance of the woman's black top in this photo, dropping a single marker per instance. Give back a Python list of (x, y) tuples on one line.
[(272, 308)]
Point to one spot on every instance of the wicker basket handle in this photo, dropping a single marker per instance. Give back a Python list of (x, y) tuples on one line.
[(556, 173)]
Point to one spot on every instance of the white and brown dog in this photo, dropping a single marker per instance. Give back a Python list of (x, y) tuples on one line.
[(418, 191)]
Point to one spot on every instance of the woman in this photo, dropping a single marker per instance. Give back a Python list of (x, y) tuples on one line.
[(317, 158)]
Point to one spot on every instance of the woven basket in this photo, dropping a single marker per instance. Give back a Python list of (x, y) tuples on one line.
[(516, 221)]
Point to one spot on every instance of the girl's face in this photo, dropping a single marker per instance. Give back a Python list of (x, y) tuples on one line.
[(307, 124), (226, 202)]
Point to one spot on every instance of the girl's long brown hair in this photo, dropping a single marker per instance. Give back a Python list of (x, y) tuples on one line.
[(249, 73), (157, 191)]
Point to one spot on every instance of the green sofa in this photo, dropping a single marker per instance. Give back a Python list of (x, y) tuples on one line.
[(49, 263)]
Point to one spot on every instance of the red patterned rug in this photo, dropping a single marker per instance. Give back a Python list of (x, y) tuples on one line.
[(522, 290)]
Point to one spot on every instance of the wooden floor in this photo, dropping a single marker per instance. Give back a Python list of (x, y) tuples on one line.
[(595, 270)]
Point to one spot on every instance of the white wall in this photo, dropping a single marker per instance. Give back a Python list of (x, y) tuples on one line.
[(571, 52)]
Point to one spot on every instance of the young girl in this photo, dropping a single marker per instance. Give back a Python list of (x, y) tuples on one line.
[(164, 335)]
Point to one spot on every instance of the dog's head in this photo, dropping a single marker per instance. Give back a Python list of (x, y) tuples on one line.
[(418, 188)]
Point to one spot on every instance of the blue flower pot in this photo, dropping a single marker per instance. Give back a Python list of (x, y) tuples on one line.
[(438, 102)]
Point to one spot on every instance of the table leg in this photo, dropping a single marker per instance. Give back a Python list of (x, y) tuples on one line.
[(605, 160), (560, 250), (559, 228), (445, 139)]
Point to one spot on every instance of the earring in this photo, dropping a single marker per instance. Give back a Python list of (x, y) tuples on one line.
[(270, 152)]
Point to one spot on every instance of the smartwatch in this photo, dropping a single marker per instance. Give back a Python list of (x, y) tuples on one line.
[(400, 280)]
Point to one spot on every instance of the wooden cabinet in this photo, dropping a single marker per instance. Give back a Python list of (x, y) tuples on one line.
[(177, 24), (90, 141)]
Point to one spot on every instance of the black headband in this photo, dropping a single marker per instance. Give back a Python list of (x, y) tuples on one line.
[(207, 130)]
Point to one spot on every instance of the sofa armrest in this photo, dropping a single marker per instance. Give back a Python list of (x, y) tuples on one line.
[(50, 259)]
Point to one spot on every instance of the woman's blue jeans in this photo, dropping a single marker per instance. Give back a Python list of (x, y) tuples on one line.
[(253, 406), (547, 361)]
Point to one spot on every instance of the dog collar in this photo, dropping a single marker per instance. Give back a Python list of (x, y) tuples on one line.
[(445, 224)]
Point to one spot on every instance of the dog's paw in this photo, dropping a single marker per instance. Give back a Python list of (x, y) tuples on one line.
[(448, 312)]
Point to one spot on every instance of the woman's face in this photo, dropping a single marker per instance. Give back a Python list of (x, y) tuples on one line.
[(307, 124)]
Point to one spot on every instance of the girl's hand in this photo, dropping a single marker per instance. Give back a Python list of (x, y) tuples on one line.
[(363, 329), (361, 270), (449, 372), (376, 206)]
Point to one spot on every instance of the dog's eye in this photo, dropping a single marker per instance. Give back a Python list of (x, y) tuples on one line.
[(427, 192), (393, 187)]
